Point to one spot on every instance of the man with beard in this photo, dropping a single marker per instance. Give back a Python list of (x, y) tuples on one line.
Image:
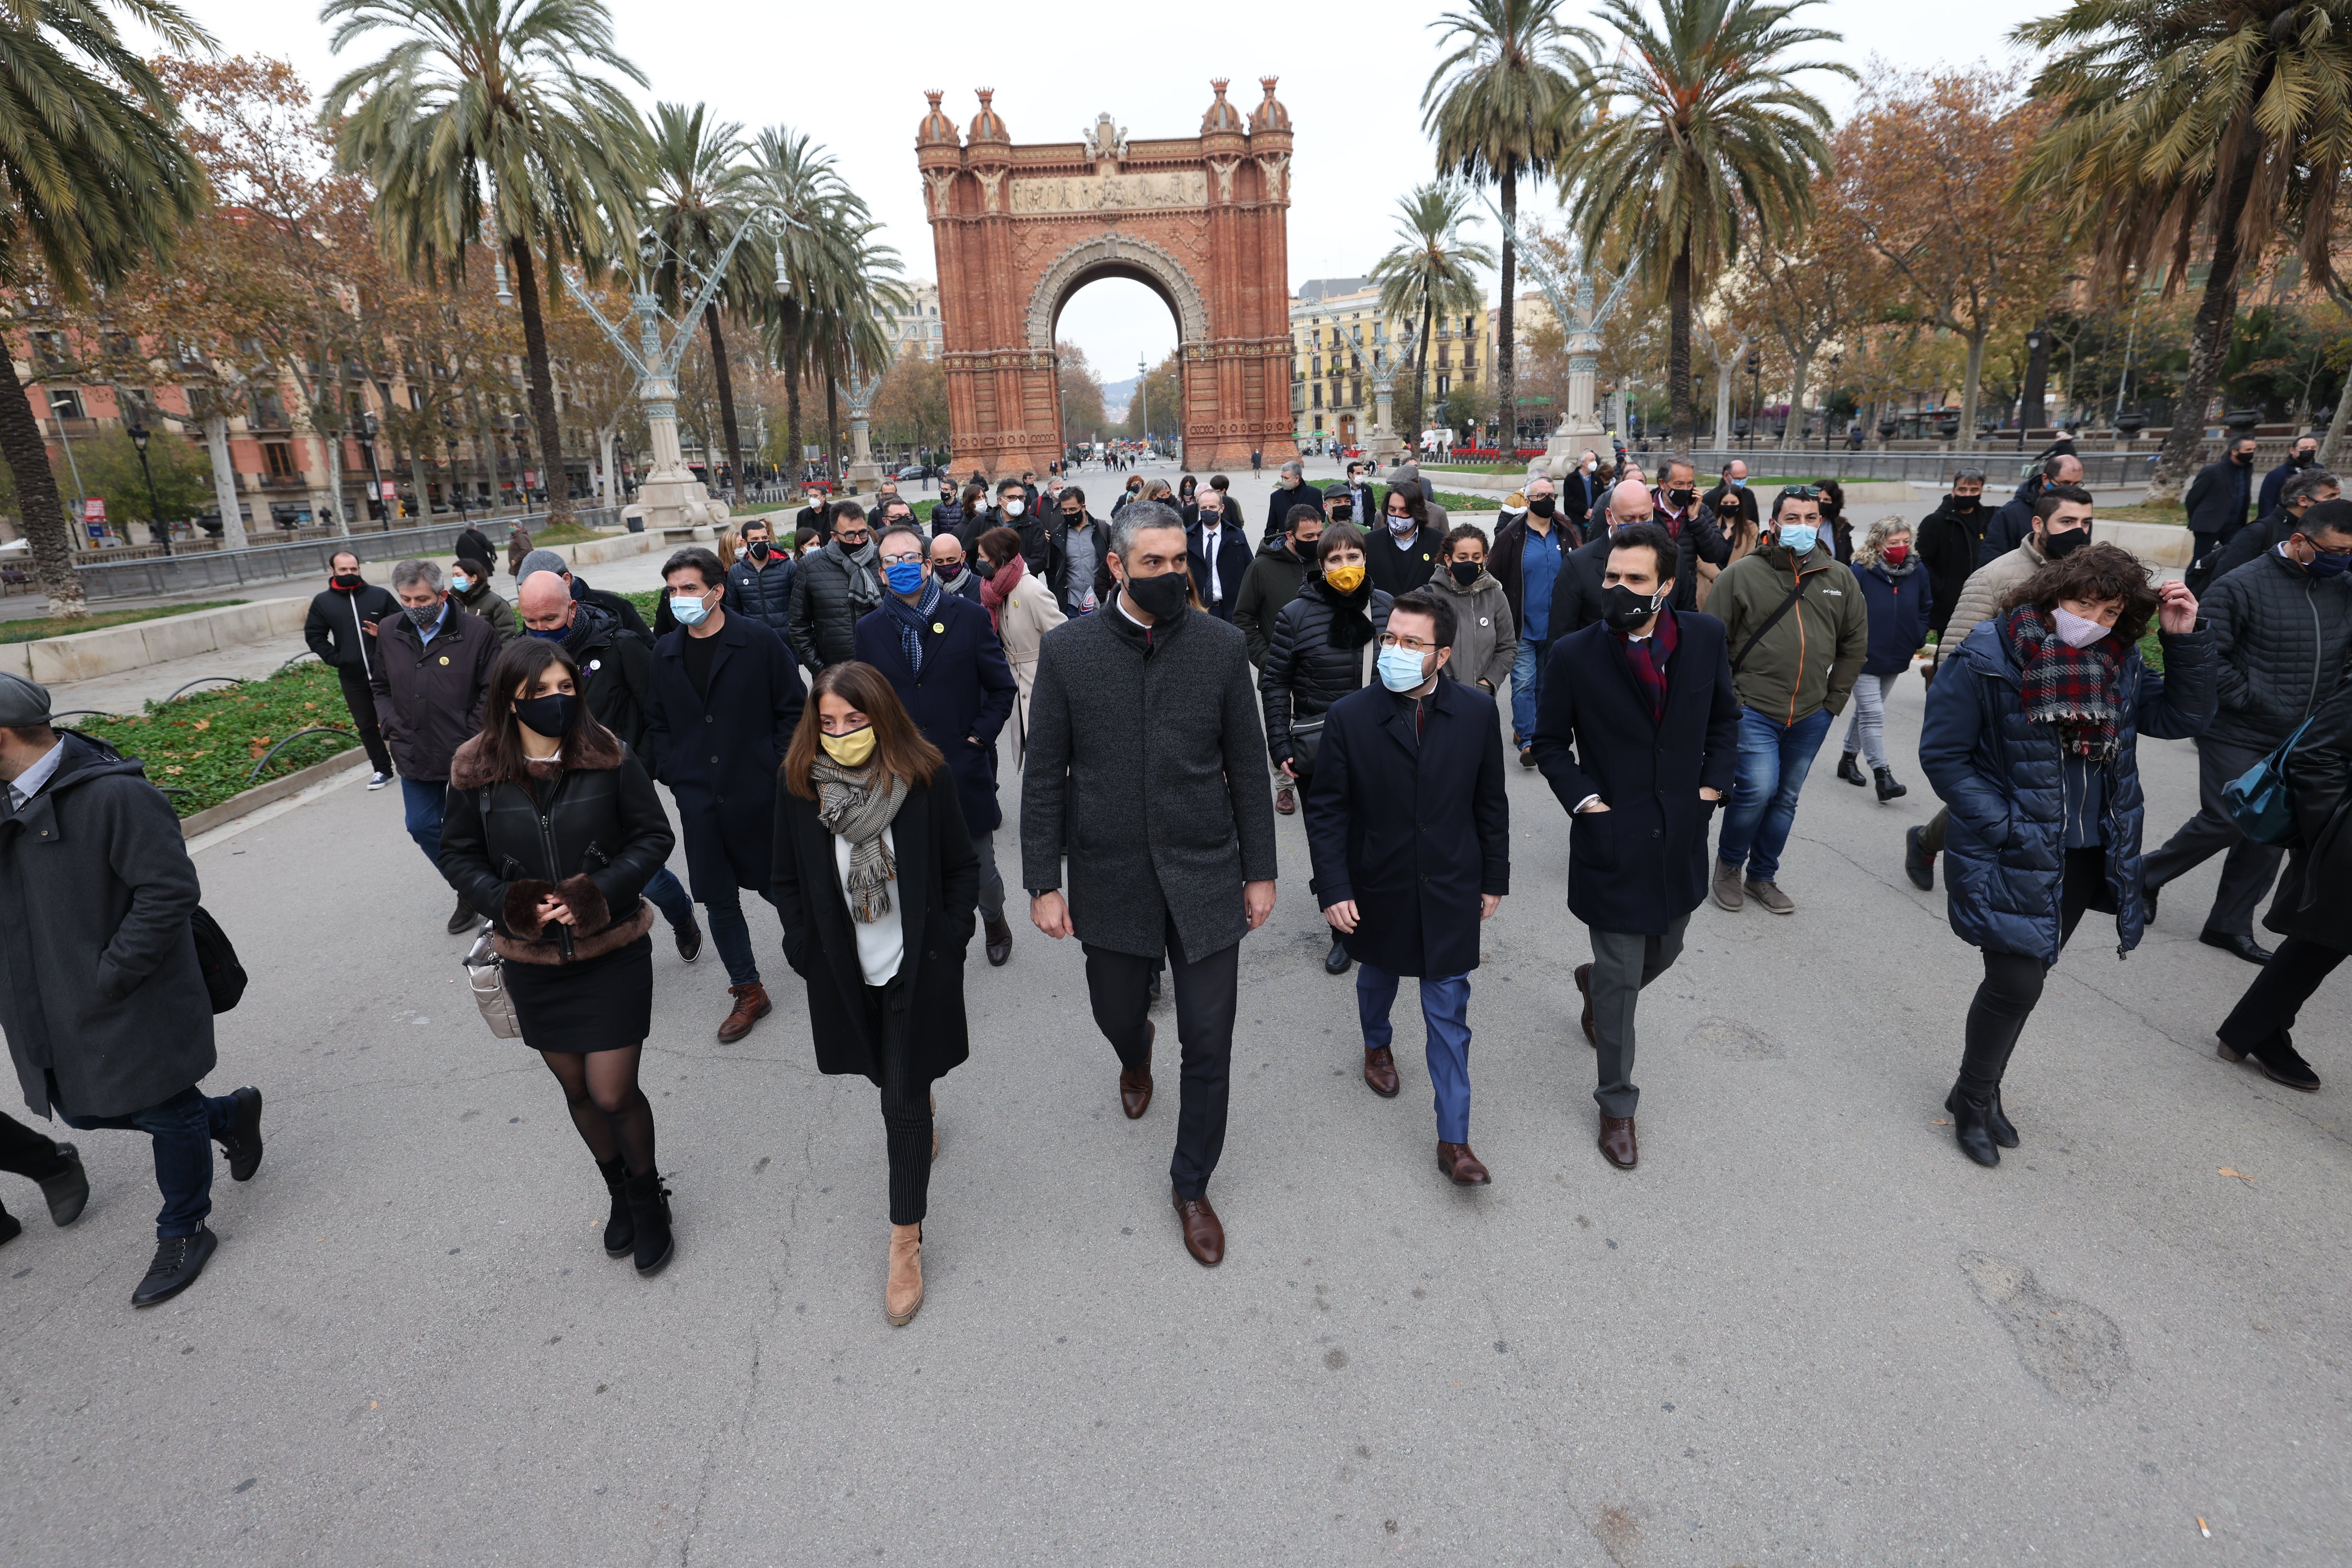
[(836, 584), (2012, 524), (2218, 498), (1950, 538), (2302, 455)]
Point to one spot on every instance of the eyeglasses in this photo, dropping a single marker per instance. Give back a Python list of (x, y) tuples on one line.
[(2322, 549), (1407, 645)]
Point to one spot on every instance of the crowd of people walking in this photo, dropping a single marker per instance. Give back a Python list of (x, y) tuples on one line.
[(826, 712)]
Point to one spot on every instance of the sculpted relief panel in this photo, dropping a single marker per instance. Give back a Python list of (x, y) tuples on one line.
[(1109, 192)]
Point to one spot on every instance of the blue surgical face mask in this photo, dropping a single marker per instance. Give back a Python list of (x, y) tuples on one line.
[(1400, 670), (689, 609), (1738, 484), (904, 574), (1800, 538), (555, 634), (459, 584)]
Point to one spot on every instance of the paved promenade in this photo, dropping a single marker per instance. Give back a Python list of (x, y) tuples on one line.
[(1807, 1329)]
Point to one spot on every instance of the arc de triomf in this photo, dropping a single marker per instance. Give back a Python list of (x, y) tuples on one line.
[(1199, 221)]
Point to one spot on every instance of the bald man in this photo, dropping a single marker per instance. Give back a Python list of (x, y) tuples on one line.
[(616, 677), (1581, 601)]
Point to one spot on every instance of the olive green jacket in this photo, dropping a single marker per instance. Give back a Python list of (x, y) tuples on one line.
[(1812, 656)]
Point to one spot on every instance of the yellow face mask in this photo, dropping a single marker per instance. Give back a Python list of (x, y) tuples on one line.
[(851, 750), (1347, 579)]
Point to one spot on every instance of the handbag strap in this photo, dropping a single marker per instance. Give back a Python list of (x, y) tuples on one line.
[(1769, 622)]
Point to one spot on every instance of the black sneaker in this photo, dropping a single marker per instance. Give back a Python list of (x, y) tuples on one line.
[(689, 939), (242, 1141), (178, 1260), (68, 1190)]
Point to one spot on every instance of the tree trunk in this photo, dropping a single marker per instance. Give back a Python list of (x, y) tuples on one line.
[(1971, 383), (1420, 381), (2333, 442), (608, 461), (726, 401), (1678, 348), (833, 432), (1795, 423), (1506, 371), (1725, 371), (224, 481), (38, 504), (419, 483), (542, 388), (789, 362), (2208, 342), (330, 448)]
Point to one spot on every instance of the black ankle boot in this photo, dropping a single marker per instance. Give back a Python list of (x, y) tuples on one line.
[(1337, 961), (1887, 788), (1971, 1125), (1997, 1122), (1847, 770), (620, 1231), (649, 1210)]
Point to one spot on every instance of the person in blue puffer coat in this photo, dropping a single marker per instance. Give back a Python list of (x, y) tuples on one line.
[(1900, 596), (2032, 741)]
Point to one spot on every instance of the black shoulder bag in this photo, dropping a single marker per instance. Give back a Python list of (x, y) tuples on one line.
[(1769, 622)]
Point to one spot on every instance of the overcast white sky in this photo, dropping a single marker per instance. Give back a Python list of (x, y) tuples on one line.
[(853, 76)]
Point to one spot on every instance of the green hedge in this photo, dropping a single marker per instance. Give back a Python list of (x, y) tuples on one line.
[(202, 749)]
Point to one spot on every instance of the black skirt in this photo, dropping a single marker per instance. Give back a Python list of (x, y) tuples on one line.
[(601, 1004)]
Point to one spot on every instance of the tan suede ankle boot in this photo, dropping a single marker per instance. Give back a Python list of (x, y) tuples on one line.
[(904, 1293)]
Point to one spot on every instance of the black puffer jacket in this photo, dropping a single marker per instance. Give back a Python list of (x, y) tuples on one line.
[(826, 607), (592, 833), (763, 594), (2280, 638), (618, 672), (1947, 541), (2315, 894), (1305, 671)]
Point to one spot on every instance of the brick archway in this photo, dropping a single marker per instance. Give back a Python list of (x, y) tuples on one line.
[(1199, 221)]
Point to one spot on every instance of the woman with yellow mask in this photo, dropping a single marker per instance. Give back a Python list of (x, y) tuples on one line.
[(876, 883), (1321, 651)]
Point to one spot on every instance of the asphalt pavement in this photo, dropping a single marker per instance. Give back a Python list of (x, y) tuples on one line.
[(1806, 1329)]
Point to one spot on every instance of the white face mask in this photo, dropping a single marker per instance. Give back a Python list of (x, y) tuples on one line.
[(1014, 507), (2076, 631)]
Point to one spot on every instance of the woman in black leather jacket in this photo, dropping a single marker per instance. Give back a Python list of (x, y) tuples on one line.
[(551, 832), (1320, 650)]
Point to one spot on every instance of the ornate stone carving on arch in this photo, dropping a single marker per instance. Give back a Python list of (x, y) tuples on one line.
[(1116, 250)]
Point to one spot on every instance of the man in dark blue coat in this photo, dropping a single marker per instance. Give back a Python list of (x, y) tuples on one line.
[(1639, 737), (1410, 834), (1219, 553), (941, 655), (725, 698)]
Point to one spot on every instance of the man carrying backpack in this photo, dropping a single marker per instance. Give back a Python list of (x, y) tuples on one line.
[(101, 993)]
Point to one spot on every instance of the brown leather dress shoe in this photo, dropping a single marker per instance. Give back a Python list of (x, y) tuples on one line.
[(1584, 988), (1204, 1234), (1461, 1165), (1379, 1072), (1617, 1141), (1135, 1088), (751, 1004), (1286, 801)]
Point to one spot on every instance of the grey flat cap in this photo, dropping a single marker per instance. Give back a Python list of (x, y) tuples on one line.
[(22, 701), (545, 561)]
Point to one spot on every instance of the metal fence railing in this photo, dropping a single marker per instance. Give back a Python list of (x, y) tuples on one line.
[(2000, 463), (159, 577)]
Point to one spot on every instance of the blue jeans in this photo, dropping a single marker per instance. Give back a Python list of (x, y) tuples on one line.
[(422, 802), (183, 1128), (668, 895), (1445, 1014), (1527, 688), (1773, 760), (732, 934)]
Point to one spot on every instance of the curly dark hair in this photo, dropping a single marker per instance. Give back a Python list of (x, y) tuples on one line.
[(2096, 573)]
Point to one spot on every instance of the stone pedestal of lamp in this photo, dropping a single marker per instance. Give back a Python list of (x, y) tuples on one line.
[(1579, 427), (671, 500)]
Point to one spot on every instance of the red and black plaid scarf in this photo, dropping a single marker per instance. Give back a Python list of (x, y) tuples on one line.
[(2076, 688), (1647, 659)]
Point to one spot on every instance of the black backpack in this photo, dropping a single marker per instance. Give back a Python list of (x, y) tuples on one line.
[(217, 957)]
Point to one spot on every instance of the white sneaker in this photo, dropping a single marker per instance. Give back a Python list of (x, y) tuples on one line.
[(377, 781)]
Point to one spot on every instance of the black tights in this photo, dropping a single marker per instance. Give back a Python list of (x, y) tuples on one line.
[(906, 1116), (2012, 981), (615, 1119)]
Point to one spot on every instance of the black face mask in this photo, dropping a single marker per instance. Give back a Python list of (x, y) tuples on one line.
[(1625, 608), (1542, 506), (2243, 459), (758, 551), (1160, 597), (1965, 503), (2058, 546), (349, 581), (549, 716), (1467, 572), (1681, 500), (2305, 459), (1342, 513)]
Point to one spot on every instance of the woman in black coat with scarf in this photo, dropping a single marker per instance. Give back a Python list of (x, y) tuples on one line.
[(551, 831), (877, 881), (2313, 909), (1322, 650)]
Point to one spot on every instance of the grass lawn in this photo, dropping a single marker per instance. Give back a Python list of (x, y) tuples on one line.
[(62, 626), (202, 749), (2161, 511), (565, 533)]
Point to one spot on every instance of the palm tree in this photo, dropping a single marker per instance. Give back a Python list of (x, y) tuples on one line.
[(1706, 145), (844, 320), (1501, 106), (2177, 117), (93, 181), (498, 92), (695, 208), (1428, 272), (816, 251)]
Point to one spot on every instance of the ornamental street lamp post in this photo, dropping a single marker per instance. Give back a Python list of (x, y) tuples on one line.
[(376, 474), (157, 529)]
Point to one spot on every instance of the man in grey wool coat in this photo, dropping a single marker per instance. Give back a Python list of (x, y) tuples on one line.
[(1145, 768)]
